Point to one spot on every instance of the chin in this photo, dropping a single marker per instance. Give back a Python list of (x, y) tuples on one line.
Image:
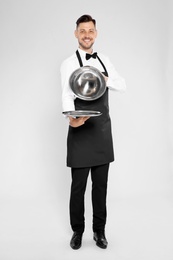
[(86, 47)]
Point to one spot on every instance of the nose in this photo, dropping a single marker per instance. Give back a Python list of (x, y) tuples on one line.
[(87, 34)]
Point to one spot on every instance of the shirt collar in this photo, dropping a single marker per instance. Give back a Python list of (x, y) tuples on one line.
[(82, 53)]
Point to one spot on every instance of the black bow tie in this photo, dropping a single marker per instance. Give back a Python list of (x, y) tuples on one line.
[(88, 56)]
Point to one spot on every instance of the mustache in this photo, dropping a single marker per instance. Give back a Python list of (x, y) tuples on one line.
[(87, 38)]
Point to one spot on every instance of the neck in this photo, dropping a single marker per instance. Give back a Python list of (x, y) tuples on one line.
[(86, 50)]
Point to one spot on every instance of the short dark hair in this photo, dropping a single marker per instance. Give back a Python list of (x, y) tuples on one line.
[(84, 19)]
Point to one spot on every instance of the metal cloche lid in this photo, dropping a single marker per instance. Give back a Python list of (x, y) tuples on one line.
[(87, 83)]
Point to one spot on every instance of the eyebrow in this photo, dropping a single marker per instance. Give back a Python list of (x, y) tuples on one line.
[(85, 29)]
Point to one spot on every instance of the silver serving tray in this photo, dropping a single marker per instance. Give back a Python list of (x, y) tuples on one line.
[(82, 113)]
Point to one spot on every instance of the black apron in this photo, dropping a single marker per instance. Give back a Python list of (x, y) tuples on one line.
[(91, 144)]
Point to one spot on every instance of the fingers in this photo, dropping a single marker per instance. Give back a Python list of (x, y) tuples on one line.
[(106, 78), (85, 118), (76, 122)]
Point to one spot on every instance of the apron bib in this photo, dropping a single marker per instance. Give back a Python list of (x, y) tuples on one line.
[(91, 144)]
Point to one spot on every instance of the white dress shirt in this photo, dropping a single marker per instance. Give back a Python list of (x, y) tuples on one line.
[(114, 82)]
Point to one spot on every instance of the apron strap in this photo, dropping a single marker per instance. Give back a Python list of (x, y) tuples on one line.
[(79, 58), (106, 73)]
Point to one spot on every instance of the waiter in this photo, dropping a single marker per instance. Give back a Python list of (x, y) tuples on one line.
[(89, 142)]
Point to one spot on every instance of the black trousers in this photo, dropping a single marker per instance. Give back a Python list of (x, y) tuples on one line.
[(99, 177)]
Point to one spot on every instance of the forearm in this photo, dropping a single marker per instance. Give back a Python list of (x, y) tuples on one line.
[(114, 81), (67, 94), (68, 102), (116, 84)]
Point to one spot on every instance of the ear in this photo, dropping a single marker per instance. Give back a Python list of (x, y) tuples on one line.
[(76, 34), (96, 33)]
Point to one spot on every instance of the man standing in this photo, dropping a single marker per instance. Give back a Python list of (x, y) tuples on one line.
[(89, 142)]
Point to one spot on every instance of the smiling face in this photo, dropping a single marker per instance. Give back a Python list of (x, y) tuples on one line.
[(86, 34)]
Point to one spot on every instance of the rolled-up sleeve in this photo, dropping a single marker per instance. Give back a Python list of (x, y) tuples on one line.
[(115, 81), (67, 94)]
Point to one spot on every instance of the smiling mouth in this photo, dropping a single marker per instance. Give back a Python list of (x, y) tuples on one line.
[(87, 40)]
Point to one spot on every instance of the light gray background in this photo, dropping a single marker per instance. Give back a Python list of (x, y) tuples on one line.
[(35, 37)]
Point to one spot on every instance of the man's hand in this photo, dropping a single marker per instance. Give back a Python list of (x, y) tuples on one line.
[(106, 78), (76, 122)]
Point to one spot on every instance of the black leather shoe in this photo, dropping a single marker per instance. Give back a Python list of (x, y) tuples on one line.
[(76, 240), (100, 239)]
